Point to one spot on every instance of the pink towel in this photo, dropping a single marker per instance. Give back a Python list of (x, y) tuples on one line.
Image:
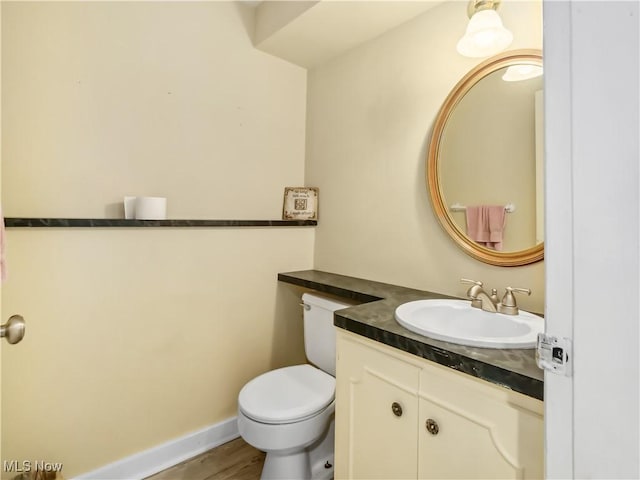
[(3, 265), (485, 225)]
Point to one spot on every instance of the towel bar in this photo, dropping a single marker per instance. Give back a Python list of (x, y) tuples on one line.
[(456, 207)]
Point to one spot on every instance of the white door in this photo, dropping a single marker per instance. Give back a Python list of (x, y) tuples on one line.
[(558, 391), (592, 236)]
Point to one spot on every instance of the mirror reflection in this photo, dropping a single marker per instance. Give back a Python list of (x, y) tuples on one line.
[(485, 166), (488, 157)]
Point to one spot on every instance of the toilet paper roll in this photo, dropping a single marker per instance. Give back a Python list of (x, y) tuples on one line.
[(151, 208), (129, 208)]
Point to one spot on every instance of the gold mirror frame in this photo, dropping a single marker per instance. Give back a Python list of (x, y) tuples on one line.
[(486, 255)]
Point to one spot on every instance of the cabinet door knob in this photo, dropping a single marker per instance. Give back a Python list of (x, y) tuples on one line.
[(432, 426), (396, 408)]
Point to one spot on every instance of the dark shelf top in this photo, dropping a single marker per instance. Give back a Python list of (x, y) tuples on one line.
[(15, 222)]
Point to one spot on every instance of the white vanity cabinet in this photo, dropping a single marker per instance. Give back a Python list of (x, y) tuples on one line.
[(385, 397), (371, 440)]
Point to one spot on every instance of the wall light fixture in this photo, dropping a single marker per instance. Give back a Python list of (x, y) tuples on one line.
[(485, 35)]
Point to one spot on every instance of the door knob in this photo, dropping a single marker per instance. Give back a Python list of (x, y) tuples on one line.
[(13, 330)]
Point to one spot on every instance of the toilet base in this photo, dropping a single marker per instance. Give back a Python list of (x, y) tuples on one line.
[(288, 466), (321, 454), (313, 463)]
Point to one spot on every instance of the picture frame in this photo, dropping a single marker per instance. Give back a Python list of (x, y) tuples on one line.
[(300, 203)]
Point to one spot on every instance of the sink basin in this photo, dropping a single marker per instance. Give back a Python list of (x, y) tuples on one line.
[(456, 321)]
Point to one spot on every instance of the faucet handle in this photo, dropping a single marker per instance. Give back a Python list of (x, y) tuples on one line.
[(508, 304), (509, 300), (472, 282)]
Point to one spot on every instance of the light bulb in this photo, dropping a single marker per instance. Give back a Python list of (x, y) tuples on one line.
[(515, 73), (485, 35)]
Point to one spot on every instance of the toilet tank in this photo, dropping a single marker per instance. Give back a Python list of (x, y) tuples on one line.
[(319, 332)]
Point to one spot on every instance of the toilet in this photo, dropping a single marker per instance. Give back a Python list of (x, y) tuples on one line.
[(289, 412)]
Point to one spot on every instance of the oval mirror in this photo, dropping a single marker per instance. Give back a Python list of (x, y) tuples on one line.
[(485, 161)]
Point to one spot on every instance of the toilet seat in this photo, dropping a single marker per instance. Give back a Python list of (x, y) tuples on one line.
[(287, 395)]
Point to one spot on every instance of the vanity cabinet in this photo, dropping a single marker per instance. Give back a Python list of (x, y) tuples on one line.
[(400, 416)]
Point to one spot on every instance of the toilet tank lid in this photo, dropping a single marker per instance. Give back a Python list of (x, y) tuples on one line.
[(323, 302)]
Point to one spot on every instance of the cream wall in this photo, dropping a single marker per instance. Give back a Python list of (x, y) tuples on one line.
[(370, 115), (138, 336), (162, 98)]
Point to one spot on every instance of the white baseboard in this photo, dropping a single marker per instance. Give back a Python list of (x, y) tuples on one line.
[(156, 459)]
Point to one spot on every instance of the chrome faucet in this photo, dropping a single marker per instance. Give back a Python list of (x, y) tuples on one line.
[(479, 298), (489, 303)]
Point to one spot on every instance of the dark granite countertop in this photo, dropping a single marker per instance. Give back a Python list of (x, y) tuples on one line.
[(514, 369)]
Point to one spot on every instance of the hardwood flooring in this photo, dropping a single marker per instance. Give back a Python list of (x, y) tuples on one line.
[(235, 460)]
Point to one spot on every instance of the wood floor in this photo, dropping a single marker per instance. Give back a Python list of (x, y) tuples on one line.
[(235, 460)]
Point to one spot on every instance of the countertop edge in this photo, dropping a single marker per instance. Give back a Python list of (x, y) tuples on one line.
[(323, 287)]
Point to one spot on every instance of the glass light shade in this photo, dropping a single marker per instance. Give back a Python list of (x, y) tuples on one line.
[(515, 73), (485, 35)]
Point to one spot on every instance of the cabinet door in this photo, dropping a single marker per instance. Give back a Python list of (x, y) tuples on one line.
[(482, 431), (373, 441)]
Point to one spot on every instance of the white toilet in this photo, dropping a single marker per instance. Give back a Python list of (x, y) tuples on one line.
[(288, 412)]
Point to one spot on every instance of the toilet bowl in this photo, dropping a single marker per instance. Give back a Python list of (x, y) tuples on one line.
[(295, 413), (289, 412)]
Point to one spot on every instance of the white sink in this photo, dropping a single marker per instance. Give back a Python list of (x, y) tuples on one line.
[(456, 321)]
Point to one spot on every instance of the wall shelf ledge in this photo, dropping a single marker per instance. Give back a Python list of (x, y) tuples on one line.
[(20, 222)]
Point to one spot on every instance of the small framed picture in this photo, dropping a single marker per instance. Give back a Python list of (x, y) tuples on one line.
[(300, 203)]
